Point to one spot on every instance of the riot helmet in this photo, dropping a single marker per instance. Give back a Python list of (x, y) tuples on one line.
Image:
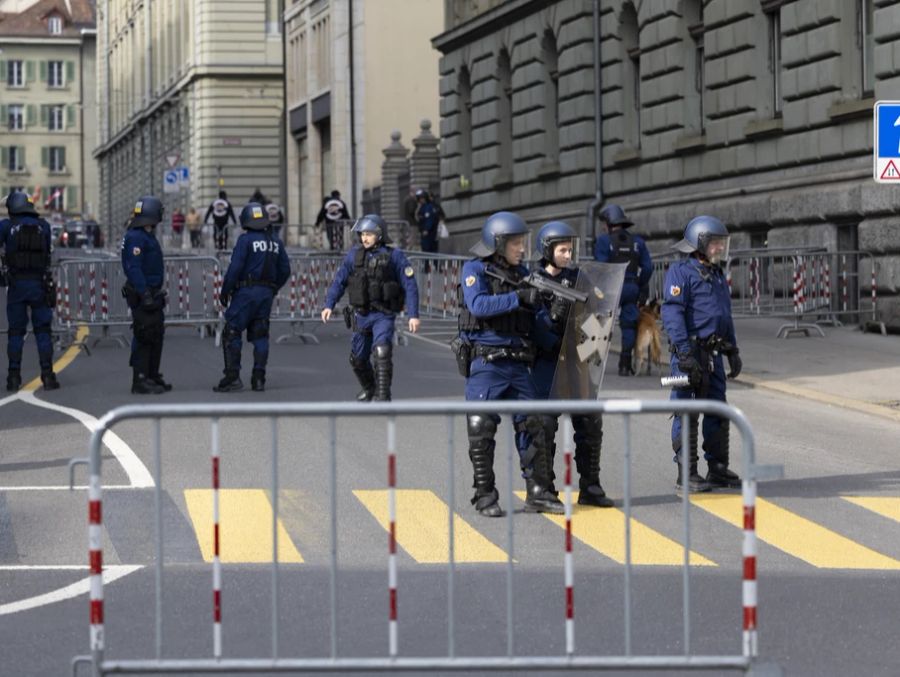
[(421, 194), (550, 235), (496, 231), (254, 217), (708, 236), (20, 204), (371, 223), (614, 215), (148, 211)]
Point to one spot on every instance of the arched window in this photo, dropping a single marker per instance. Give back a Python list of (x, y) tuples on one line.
[(464, 89), (504, 117), (631, 72), (550, 57)]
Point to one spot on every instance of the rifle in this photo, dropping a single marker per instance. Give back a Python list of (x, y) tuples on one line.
[(542, 284)]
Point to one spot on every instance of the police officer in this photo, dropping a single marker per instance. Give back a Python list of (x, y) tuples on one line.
[(142, 260), (557, 244), (428, 215), (696, 314), (621, 246), (25, 238), (259, 268), (379, 280), (222, 213), (495, 350)]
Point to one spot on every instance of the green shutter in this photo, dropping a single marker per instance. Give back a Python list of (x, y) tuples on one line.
[(43, 70), (72, 199), (45, 117), (70, 72), (70, 116), (3, 68), (29, 71), (62, 157), (4, 113), (22, 157), (4, 158), (45, 156), (30, 115)]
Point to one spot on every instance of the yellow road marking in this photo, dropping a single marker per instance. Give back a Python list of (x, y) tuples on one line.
[(422, 520), (64, 361), (603, 529), (886, 506), (245, 526), (795, 535)]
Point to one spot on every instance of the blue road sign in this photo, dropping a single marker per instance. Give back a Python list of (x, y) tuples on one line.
[(183, 174), (170, 176), (886, 144)]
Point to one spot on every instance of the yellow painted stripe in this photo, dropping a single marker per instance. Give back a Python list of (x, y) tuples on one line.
[(64, 361), (422, 520), (886, 506), (795, 535), (245, 526), (603, 529)]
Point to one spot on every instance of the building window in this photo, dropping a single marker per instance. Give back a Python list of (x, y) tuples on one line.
[(694, 64), (57, 159), (504, 116), (775, 60), (551, 96), (16, 159), (465, 128), (866, 43), (16, 117), (55, 74), (15, 73), (631, 82), (55, 118), (56, 199), (54, 25)]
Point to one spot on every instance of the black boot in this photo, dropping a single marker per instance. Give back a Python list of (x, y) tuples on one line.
[(696, 483), (231, 383), (258, 380), (588, 440), (384, 372), (538, 495), (141, 385), (625, 368), (13, 380), (158, 380), (231, 351), (481, 430), (593, 494), (538, 498), (366, 377), (716, 450), (48, 378)]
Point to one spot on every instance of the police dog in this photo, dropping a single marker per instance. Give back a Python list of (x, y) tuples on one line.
[(649, 337)]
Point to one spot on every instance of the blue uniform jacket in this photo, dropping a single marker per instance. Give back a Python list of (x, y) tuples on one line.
[(403, 272), (603, 252), (482, 303), (257, 256), (697, 302), (8, 227), (142, 259)]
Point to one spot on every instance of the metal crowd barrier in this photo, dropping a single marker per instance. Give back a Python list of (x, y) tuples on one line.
[(745, 617), (89, 293)]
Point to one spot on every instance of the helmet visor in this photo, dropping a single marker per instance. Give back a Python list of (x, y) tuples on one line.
[(516, 249), (561, 252), (715, 248)]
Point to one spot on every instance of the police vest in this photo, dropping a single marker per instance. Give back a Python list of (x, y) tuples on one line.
[(30, 250), (518, 322), (622, 244), (372, 284)]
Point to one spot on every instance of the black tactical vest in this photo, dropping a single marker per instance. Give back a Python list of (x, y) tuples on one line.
[(30, 251), (623, 250), (518, 322), (372, 284)]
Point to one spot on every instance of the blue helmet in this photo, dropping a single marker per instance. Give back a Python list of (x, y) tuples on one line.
[(499, 225), (699, 232), (614, 215), (552, 233), (371, 223), (254, 217), (148, 211), (20, 204)]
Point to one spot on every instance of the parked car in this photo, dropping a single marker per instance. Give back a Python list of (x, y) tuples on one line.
[(81, 234)]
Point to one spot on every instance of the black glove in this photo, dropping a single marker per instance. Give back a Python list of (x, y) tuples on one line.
[(528, 297), (3, 281), (689, 366), (643, 296), (224, 299), (559, 310), (147, 300), (735, 364)]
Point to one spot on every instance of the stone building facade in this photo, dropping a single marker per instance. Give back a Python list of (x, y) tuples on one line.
[(756, 111), (48, 121), (188, 84)]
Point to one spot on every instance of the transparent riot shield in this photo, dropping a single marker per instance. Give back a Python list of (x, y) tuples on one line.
[(588, 332)]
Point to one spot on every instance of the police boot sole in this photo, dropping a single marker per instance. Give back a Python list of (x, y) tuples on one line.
[(13, 386), (537, 505), (595, 501), (493, 510), (695, 489), (229, 388), (52, 385), (257, 387), (717, 482), (144, 390)]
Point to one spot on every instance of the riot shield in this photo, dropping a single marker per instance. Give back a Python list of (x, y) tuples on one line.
[(588, 332)]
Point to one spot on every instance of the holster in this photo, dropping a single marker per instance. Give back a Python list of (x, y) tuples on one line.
[(49, 286), (129, 293), (348, 317), (463, 351)]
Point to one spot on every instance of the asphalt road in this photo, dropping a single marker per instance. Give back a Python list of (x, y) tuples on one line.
[(828, 566)]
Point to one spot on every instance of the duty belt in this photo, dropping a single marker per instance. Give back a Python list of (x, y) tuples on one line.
[(255, 283), (494, 353)]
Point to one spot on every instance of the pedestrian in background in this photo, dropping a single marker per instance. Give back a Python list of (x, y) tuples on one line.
[(178, 221), (194, 226), (428, 215), (334, 210), (221, 211)]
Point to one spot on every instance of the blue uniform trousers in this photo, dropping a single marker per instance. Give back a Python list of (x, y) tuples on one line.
[(714, 427), (249, 311), (372, 329), (628, 315), (22, 296)]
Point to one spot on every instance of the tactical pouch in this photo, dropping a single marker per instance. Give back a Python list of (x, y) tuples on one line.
[(376, 294), (49, 285), (348, 317), (463, 351), (129, 293), (358, 294)]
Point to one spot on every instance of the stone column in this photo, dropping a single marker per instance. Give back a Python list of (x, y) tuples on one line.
[(395, 163), (425, 161)]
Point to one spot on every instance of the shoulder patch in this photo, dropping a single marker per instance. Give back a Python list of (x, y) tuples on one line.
[(470, 280), (136, 251), (408, 271), (675, 290)]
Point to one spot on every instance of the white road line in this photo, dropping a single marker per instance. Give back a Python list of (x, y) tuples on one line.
[(110, 574), (63, 487), (137, 472)]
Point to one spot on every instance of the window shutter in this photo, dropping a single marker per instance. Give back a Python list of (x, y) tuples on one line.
[(4, 158), (45, 117), (43, 71), (4, 115), (29, 71), (30, 115), (45, 156), (22, 157), (62, 157), (70, 72), (71, 195), (70, 116), (3, 68)]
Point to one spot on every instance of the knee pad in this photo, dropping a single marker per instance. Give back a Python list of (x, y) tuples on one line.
[(258, 329), (17, 332), (481, 428), (589, 427), (229, 334), (383, 351), (42, 330)]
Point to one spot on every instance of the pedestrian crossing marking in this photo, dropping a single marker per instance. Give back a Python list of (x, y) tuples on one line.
[(245, 526), (886, 506), (796, 535), (422, 525), (603, 529)]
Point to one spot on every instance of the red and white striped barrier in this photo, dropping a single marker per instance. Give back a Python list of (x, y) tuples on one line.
[(95, 557), (217, 562), (392, 537), (569, 566), (749, 582)]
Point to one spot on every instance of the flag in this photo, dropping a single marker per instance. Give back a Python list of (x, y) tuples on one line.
[(55, 194)]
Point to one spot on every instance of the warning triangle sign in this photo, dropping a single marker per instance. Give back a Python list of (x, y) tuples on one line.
[(891, 172)]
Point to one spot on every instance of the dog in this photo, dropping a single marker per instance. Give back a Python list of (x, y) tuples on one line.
[(649, 337)]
